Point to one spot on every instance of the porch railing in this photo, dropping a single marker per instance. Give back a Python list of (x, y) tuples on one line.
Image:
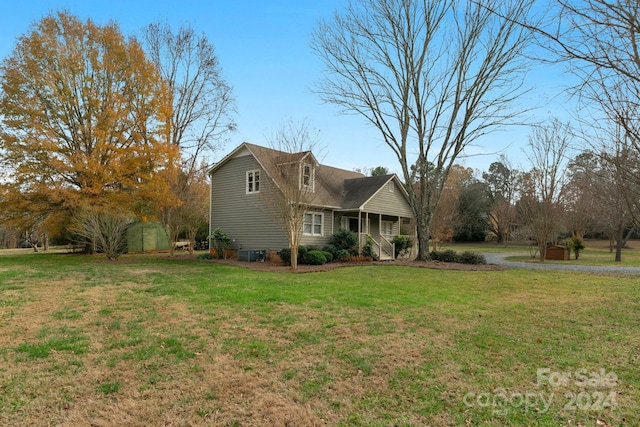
[(387, 247), (383, 249)]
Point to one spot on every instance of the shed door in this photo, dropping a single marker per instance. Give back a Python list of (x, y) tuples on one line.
[(149, 238)]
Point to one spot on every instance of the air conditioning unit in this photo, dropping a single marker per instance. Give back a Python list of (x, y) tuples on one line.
[(251, 255)]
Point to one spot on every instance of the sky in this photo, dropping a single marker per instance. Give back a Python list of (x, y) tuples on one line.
[(263, 48)]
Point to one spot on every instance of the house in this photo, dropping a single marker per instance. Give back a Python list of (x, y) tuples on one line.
[(245, 183)]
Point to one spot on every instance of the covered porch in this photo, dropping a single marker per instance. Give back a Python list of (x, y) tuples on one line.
[(376, 229)]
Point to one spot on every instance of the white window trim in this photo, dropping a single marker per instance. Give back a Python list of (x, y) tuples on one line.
[(313, 223), (312, 176), (246, 182)]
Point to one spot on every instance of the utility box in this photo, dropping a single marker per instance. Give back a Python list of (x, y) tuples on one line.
[(251, 255), (557, 253)]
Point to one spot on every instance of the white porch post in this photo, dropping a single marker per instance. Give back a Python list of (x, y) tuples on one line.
[(360, 231), (380, 235)]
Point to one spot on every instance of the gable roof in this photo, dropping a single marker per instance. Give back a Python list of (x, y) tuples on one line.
[(335, 188), (360, 190)]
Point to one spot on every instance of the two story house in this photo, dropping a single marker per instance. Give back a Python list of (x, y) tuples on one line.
[(245, 184)]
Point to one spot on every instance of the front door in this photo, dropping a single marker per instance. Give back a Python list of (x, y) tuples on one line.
[(386, 229)]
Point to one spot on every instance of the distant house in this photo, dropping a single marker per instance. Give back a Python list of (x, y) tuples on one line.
[(243, 184)]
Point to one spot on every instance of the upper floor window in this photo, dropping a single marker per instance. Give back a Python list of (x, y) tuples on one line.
[(253, 182), (307, 176)]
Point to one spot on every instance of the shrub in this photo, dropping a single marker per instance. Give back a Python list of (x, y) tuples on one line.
[(302, 254), (206, 256), (403, 245), (220, 242), (575, 244), (285, 255), (343, 255), (468, 257), (332, 249), (367, 250), (448, 255), (345, 239), (315, 257), (328, 255)]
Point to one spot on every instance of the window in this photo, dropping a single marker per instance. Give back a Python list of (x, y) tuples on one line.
[(386, 229), (307, 176), (312, 224), (392, 187), (253, 182)]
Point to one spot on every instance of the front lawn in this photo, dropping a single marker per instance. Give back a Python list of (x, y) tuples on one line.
[(149, 340)]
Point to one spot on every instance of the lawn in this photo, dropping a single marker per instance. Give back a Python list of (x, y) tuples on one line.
[(596, 252), (150, 340)]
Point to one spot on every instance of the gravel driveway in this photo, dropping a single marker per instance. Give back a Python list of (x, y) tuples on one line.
[(499, 259)]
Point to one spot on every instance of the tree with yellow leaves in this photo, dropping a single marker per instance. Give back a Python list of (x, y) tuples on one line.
[(84, 120)]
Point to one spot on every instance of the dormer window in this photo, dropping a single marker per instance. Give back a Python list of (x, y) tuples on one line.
[(307, 176)]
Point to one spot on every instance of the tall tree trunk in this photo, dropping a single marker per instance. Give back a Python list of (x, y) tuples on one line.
[(423, 243), (619, 242)]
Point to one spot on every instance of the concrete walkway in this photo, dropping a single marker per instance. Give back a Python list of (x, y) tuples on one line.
[(499, 259)]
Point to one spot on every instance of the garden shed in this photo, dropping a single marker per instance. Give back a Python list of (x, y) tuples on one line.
[(557, 253), (147, 236)]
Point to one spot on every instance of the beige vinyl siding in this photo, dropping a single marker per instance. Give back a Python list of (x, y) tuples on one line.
[(389, 203), (243, 217)]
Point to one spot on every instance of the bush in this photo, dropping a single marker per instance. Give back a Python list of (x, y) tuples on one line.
[(332, 249), (315, 257), (285, 255), (343, 255), (367, 250), (302, 255), (345, 239), (468, 257), (448, 255), (206, 256), (220, 242), (403, 245), (328, 255)]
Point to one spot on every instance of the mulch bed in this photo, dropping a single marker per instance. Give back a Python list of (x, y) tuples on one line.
[(282, 268)]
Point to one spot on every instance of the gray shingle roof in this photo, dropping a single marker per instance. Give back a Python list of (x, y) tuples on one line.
[(335, 188)]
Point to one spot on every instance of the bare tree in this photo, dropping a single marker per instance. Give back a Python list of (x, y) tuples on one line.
[(549, 147), (501, 181), (598, 39), (107, 229), (201, 117), (432, 77), (195, 210), (293, 175)]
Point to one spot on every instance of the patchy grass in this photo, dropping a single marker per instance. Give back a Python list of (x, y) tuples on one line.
[(597, 252), (153, 341)]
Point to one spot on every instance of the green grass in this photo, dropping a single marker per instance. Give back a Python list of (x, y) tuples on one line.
[(597, 252), (149, 340)]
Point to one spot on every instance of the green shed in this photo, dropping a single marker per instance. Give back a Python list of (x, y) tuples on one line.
[(147, 236)]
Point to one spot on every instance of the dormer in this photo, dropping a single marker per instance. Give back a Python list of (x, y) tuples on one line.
[(300, 167), (307, 176)]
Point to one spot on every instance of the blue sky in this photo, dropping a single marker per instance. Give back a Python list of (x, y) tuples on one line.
[(263, 47)]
